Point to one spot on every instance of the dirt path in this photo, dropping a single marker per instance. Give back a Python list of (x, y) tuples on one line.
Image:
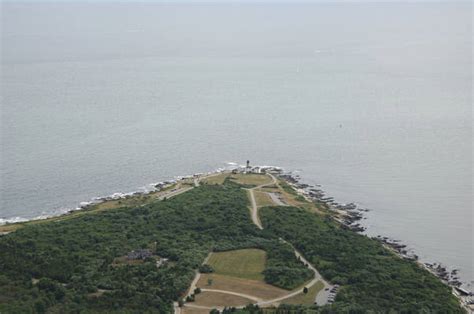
[(197, 277), (196, 183), (321, 298), (177, 309), (200, 307), (250, 297), (174, 193), (254, 210), (253, 202)]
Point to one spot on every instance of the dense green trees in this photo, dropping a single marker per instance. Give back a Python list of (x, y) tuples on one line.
[(283, 269), (74, 259), (206, 269), (71, 266), (372, 277)]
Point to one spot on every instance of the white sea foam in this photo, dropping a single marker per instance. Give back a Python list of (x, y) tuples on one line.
[(151, 187), (4, 221)]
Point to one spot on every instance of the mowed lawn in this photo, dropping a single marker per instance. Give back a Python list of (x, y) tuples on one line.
[(256, 288), (246, 263), (252, 179), (216, 179), (307, 298), (263, 199), (220, 299)]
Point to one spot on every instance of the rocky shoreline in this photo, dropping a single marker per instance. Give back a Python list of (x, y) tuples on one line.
[(349, 216)]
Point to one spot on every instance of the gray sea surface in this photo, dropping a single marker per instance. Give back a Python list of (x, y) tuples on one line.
[(373, 101)]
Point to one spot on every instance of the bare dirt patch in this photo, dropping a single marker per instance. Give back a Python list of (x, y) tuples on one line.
[(255, 288), (220, 299), (190, 310)]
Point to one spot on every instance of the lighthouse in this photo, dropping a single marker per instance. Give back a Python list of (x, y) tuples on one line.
[(247, 169)]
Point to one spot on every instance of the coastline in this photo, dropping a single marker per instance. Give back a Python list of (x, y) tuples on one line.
[(153, 189), (347, 215)]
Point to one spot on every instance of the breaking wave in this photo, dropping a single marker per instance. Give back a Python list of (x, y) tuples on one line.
[(151, 187)]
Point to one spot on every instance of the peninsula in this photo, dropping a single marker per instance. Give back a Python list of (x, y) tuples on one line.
[(243, 241)]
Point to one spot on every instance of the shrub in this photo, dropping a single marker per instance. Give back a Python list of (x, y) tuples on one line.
[(206, 269)]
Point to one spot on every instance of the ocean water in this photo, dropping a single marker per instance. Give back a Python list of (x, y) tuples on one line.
[(373, 101)]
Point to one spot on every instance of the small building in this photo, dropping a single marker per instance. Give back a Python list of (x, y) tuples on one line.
[(160, 262), (139, 254), (248, 169)]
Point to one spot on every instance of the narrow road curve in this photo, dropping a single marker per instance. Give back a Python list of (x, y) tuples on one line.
[(276, 199), (196, 183), (196, 277), (322, 296), (251, 297), (253, 203)]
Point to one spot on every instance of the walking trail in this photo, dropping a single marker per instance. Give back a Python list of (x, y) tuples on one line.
[(321, 298)]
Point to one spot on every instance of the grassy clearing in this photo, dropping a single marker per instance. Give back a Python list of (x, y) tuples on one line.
[(263, 199), (285, 186), (307, 298), (270, 188), (255, 288), (216, 179), (74, 256), (10, 227), (246, 263), (220, 299), (292, 198), (190, 310), (251, 179)]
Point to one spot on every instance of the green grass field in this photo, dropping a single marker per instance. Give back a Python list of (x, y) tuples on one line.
[(246, 263), (216, 179), (307, 298), (251, 179), (263, 199)]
